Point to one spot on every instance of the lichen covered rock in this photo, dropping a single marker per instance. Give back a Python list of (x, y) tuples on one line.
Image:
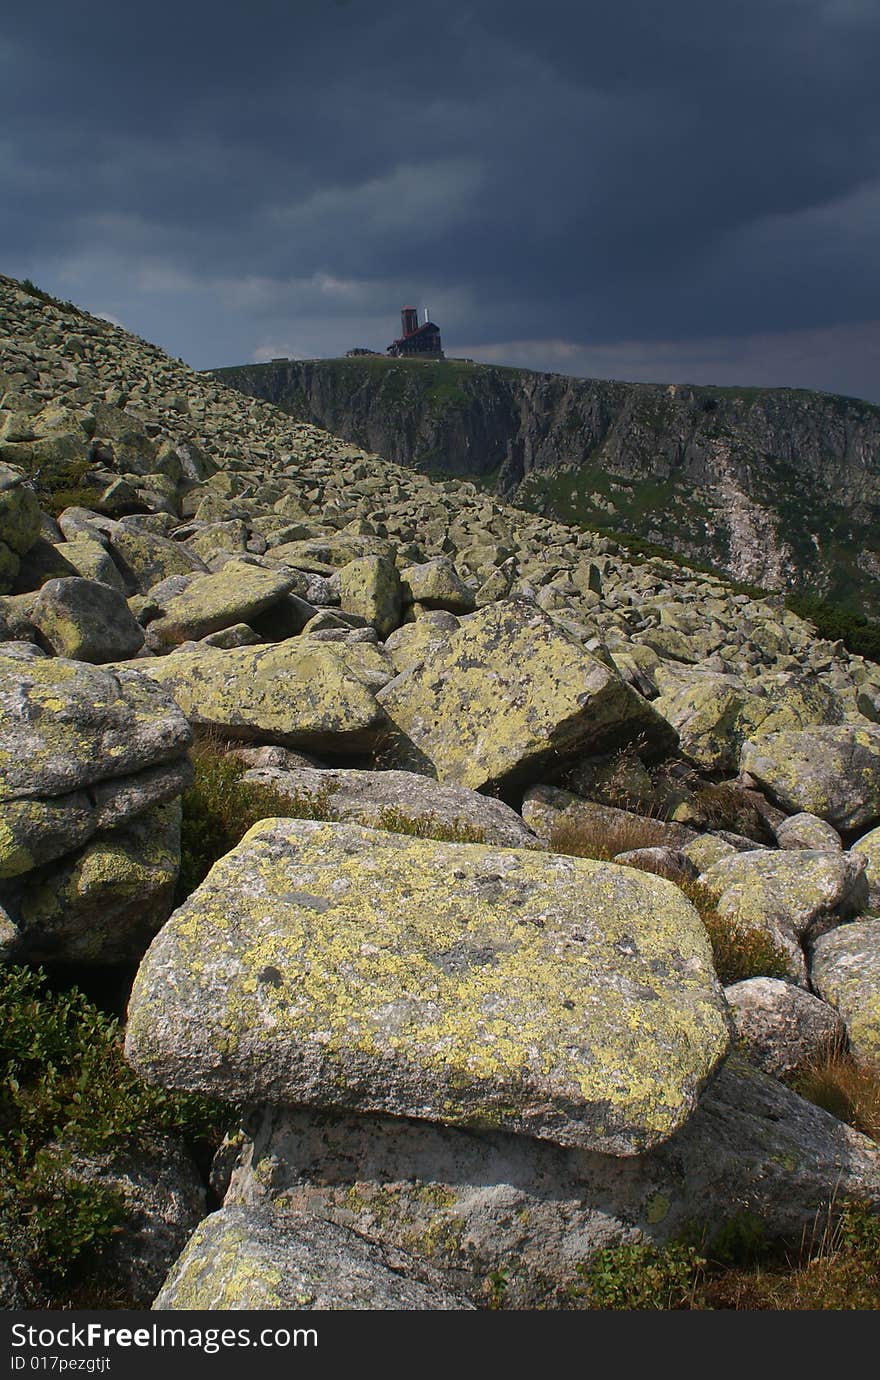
[(832, 772), (557, 997), (211, 602), (86, 620), (260, 1259), (510, 693), (400, 801), (845, 971), (294, 693), (81, 749)]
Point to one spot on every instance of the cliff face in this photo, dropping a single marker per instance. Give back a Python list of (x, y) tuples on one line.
[(778, 487)]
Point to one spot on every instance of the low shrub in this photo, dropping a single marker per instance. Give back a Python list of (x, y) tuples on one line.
[(65, 1088), (642, 1276)]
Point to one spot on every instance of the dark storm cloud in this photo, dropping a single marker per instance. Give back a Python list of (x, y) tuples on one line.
[(588, 183)]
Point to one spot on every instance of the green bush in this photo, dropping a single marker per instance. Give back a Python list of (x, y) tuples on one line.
[(857, 632), (642, 1276), (65, 1089)]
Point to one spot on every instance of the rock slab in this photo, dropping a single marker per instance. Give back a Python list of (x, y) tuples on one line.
[(558, 997)]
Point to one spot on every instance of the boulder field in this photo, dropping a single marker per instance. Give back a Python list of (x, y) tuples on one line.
[(570, 870)]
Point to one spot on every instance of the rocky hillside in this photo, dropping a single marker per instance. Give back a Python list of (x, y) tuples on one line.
[(775, 486), (511, 884)]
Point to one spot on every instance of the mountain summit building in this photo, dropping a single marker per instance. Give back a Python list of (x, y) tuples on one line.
[(416, 339)]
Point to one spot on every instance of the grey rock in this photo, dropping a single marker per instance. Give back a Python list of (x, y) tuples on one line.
[(559, 997), (260, 1259), (781, 1028), (472, 1204), (86, 621), (845, 971), (416, 804)]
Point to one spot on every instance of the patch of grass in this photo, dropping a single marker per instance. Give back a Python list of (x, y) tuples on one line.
[(604, 839), (846, 1088), (219, 808), (64, 1089), (738, 950), (837, 1268), (429, 827)]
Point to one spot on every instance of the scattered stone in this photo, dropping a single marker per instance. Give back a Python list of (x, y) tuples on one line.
[(86, 621)]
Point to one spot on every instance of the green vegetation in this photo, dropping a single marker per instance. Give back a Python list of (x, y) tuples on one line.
[(65, 1089), (59, 484), (27, 286), (858, 634), (219, 808), (838, 1268), (641, 1276)]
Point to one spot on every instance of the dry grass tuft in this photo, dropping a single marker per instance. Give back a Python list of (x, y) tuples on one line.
[(846, 1088), (604, 840)]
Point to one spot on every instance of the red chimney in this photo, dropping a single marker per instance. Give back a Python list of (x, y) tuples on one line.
[(409, 318)]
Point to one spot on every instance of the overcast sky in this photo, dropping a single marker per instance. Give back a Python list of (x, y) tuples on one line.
[(685, 192)]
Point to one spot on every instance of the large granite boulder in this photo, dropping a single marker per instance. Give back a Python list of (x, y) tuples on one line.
[(510, 694), (436, 584), (294, 693), (147, 558), (19, 523), (475, 1203), (81, 749), (832, 772), (400, 801), (260, 1259), (235, 594), (101, 904), (845, 971), (86, 621), (562, 998)]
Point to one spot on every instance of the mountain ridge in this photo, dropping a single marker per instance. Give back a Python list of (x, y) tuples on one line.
[(774, 487)]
